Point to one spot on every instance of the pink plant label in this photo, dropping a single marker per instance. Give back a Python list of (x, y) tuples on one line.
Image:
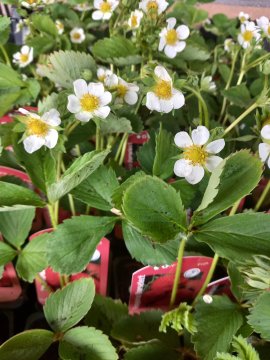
[(151, 286), (10, 288), (133, 144)]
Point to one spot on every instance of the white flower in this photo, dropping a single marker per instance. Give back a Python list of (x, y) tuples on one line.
[(197, 154), (243, 17), (60, 26), (135, 19), (264, 148), (82, 7), (171, 40), (264, 24), (104, 8), (153, 7), (40, 130), (24, 57), (163, 97), (77, 35), (30, 3), (207, 299), (126, 92), (107, 77), (249, 32), (228, 44), (207, 84), (89, 101)]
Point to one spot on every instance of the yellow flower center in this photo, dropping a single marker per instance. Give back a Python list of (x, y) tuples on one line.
[(163, 89), (121, 90), (242, 19), (268, 30), (24, 58), (59, 25), (101, 77), (248, 35), (76, 36), (152, 6), (171, 37), (37, 127), (89, 102), (196, 154), (105, 7), (134, 21)]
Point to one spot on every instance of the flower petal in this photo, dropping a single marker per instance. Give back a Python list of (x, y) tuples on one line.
[(152, 101), (182, 168), (102, 112), (183, 32), (73, 105), (33, 143), (97, 15), (25, 50), (170, 51), (180, 45), (131, 97), (212, 162), (200, 135), (183, 140), (171, 23), (178, 99), (166, 106), (96, 89), (80, 87), (52, 117), (162, 43), (265, 132), (51, 138), (105, 98), (162, 73), (264, 151), (196, 175), (84, 116), (216, 146)]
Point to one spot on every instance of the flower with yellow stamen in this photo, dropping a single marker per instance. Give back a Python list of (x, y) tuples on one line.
[(126, 92), (104, 8), (40, 130), (135, 19), (197, 154), (264, 24), (23, 57), (89, 101), (243, 17), (171, 40), (153, 7), (60, 27), (77, 35), (249, 33), (163, 97)]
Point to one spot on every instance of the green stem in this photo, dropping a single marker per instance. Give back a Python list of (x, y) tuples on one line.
[(72, 126), (256, 62), (98, 135), (119, 150), (242, 70), (52, 215), (178, 270), (5, 54), (70, 197), (262, 197), (124, 147), (203, 104), (241, 117)]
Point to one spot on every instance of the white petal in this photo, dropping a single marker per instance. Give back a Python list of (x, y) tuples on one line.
[(84, 116), (216, 146), (170, 51), (51, 138), (196, 175), (96, 89), (25, 50), (111, 81), (97, 15), (73, 105), (180, 45), (102, 112), (52, 117), (33, 143), (105, 98), (24, 111), (178, 99), (152, 101), (264, 151), (166, 106), (182, 168), (171, 22), (200, 135), (107, 15), (162, 73), (212, 162), (183, 32), (17, 56), (131, 97), (80, 87), (162, 43), (268, 163), (97, 3), (265, 132), (182, 139)]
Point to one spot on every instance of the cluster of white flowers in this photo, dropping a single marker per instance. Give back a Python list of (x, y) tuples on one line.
[(264, 147), (198, 154), (24, 57)]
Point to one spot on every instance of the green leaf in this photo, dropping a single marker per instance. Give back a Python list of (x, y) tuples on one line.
[(111, 49), (33, 258), (105, 312), (259, 316), (11, 194), (73, 243), (42, 44), (243, 349), (67, 66), (146, 154), (16, 225), (196, 49), (9, 78), (165, 153), (154, 208), (44, 23), (4, 29), (30, 345), (67, 306), (142, 249), (113, 124), (178, 319), (216, 325), (189, 14), (226, 185), (86, 343), (136, 329), (238, 95), (7, 253), (237, 237), (97, 189), (8, 100), (157, 351), (79, 170)]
